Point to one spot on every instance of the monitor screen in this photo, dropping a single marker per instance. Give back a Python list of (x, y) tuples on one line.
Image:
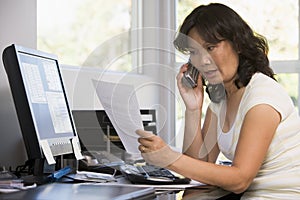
[(40, 100), (46, 96)]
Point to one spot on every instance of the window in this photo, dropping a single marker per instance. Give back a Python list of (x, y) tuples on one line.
[(91, 33)]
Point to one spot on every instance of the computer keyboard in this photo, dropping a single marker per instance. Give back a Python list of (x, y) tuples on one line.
[(150, 174), (107, 158), (99, 158), (153, 171)]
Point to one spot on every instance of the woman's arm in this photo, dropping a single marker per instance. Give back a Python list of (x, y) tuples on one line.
[(194, 137), (192, 140), (197, 143), (257, 131)]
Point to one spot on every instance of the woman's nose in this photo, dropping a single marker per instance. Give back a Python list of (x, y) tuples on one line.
[(206, 60)]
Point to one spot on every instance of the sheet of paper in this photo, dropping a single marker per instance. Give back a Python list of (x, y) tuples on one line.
[(121, 105), (76, 148), (47, 152), (194, 184)]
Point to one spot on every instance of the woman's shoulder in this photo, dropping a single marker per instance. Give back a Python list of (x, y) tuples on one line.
[(260, 79), (262, 89), (263, 85)]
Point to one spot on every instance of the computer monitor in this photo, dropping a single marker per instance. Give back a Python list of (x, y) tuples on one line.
[(41, 104)]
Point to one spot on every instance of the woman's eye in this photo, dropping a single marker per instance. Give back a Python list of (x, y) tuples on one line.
[(210, 48)]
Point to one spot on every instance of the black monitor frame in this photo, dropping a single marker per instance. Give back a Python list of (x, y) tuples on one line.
[(59, 144)]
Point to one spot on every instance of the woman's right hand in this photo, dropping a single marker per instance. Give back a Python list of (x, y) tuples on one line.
[(192, 97)]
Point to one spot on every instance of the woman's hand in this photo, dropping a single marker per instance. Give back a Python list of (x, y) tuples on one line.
[(155, 151), (149, 142), (192, 97)]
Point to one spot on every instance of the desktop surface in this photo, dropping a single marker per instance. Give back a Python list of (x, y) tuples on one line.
[(119, 190), (56, 191)]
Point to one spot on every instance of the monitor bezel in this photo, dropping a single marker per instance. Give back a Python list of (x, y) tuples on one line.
[(31, 138)]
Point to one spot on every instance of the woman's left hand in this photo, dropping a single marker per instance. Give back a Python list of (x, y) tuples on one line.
[(149, 142), (154, 150)]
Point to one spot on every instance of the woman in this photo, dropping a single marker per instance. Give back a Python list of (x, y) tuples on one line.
[(255, 125)]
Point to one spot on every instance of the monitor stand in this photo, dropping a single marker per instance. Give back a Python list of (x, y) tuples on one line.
[(32, 179), (41, 171)]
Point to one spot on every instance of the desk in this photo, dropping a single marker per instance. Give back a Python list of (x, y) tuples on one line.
[(68, 191)]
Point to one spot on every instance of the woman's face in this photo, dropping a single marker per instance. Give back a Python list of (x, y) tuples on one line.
[(216, 62)]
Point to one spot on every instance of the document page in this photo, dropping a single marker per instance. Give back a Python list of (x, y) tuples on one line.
[(121, 105)]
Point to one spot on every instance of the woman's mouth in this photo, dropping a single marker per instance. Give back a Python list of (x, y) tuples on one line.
[(210, 74), (213, 76)]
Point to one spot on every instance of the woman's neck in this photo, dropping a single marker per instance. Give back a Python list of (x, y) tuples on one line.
[(231, 89)]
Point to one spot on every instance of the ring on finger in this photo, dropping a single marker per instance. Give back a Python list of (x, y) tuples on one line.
[(143, 148)]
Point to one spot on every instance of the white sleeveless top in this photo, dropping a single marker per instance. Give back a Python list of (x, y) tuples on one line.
[(225, 142), (279, 175)]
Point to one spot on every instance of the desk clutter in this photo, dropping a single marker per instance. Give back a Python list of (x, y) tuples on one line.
[(9, 182), (103, 160), (102, 154), (111, 184), (103, 148)]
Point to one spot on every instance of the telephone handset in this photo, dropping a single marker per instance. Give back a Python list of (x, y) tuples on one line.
[(191, 75), (216, 92)]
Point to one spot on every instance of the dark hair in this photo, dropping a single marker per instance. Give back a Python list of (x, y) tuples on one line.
[(216, 22)]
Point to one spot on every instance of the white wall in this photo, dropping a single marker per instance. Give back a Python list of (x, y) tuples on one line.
[(18, 25), (82, 95)]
